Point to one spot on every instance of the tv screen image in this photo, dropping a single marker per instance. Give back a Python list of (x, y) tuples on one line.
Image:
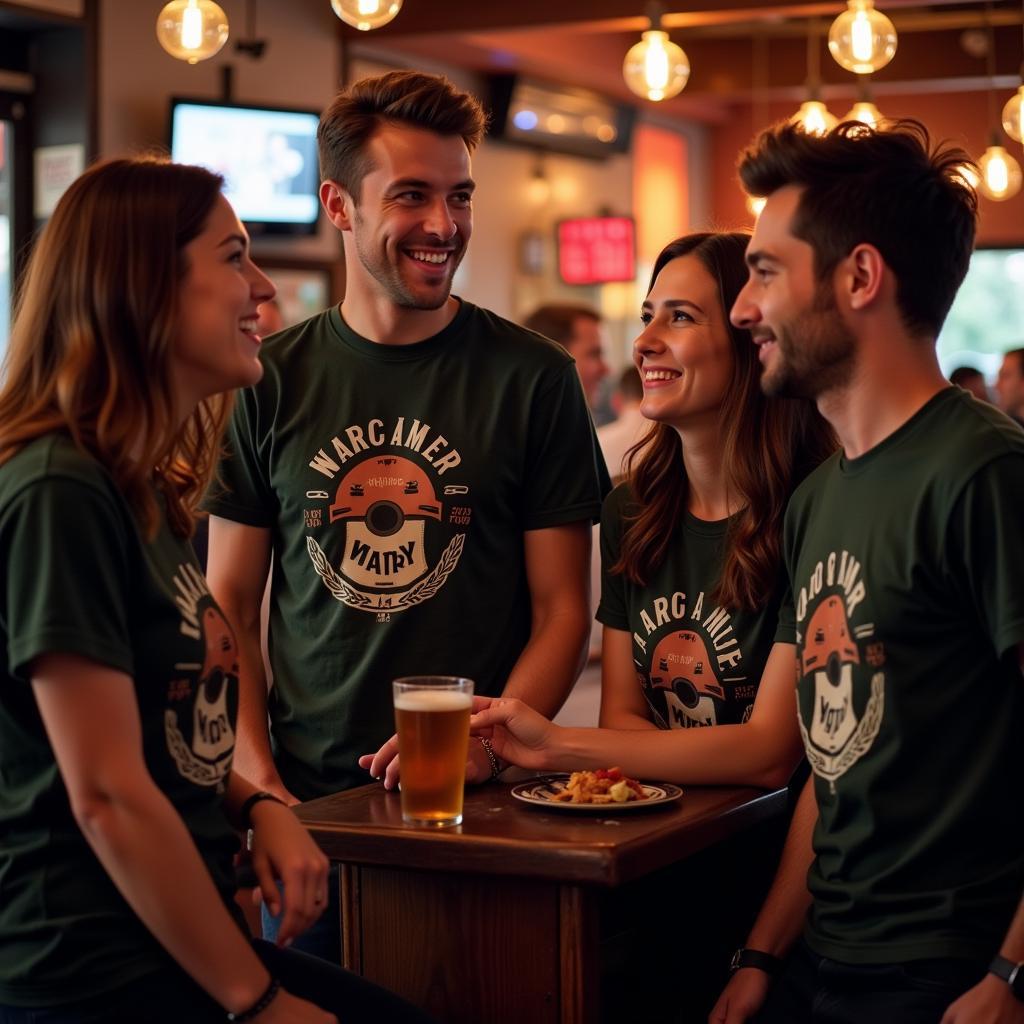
[(268, 159)]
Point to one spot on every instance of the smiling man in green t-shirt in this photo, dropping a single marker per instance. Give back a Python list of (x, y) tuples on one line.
[(421, 472), (906, 562)]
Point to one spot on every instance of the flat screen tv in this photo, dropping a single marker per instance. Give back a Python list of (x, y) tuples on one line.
[(596, 250), (267, 156)]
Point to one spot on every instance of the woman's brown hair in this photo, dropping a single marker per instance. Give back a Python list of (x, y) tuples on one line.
[(94, 330), (768, 446)]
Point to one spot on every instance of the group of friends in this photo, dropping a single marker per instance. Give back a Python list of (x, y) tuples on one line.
[(815, 553)]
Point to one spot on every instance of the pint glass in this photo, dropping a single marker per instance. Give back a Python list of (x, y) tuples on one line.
[(432, 722)]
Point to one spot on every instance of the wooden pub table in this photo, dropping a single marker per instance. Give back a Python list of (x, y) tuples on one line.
[(498, 921)]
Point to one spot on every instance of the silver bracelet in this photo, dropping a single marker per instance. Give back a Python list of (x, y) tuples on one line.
[(492, 757)]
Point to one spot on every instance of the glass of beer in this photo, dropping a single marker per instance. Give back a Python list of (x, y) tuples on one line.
[(432, 722)]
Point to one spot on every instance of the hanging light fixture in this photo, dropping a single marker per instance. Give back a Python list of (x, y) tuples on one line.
[(813, 116), (656, 68), (366, 14), (864, 110), (1000, 173), (192, 30), (862, 39), (1012, 110)]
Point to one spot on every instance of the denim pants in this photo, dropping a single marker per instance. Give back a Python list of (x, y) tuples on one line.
[(323, 938), (170, 996), (816, 990)]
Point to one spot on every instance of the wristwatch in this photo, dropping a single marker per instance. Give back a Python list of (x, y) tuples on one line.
[(755, 958), (1011, 973)]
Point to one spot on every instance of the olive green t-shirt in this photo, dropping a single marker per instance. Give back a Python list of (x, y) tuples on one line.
[(697, 663), (907, 568), (397, 483), (80, 579)]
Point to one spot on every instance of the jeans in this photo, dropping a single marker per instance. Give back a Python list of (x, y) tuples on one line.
[(170, 996), (323, 938), (816, 990)]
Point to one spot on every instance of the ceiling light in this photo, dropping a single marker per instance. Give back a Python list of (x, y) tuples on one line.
[(192, 30), (814, 117), (1000, 174), (866, 112), (656, 68), (1011, 115), (366, 14), (862, 39)]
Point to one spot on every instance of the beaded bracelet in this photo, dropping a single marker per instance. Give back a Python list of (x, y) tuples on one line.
[(260, 1005), (492, 757)]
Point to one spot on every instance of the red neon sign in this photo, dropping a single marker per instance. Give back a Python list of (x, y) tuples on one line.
[(596, 250)]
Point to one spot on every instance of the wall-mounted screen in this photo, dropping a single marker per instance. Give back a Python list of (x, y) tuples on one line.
[(596, 250), (267, 156)]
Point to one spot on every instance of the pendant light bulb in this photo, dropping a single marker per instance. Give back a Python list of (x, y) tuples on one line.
[(866, 112), (1000, 174), (755, 204), (862, 39), (366, 14), (1011, 115), (814, 117), (656, 68), (192, 30)]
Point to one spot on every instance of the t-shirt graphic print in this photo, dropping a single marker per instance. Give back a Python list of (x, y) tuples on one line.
[(843, 685), (386, 533)]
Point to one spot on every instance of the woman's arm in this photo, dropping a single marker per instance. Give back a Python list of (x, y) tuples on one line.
[(92, 722), (761, 752), (622, 701)]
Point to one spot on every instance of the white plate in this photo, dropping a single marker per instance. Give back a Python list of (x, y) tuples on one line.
[(539, 793)]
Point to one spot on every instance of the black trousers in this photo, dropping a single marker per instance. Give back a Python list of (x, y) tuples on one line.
[(171, 997), (815, 990)]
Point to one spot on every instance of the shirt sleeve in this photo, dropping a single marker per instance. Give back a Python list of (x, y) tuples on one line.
[(566, 477), (66, 586), (785, 631), (985, 549), (612, 610), (241, 489)]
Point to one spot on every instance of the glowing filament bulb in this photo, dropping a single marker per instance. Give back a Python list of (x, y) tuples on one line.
[(860, 37), (191, 27), (656, 68), (368, 7), (1000, 174)]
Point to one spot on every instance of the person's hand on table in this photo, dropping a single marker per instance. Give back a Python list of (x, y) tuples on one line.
[(384, 764), (990, 1002), (282, 850), (742, 997), (518, 733)]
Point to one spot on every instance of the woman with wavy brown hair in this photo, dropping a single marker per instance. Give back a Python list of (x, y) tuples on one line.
[(119, 810), (692, 589)]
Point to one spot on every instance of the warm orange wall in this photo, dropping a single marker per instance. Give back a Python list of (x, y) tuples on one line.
[(661, 201), (961, 117)]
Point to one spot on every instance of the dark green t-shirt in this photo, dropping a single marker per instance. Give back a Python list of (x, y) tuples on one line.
[(697, 663), (907, 567), (397, 482), (80, 579)]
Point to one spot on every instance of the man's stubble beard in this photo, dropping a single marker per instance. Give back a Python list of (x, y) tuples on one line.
[(389, 277), (814, 356)]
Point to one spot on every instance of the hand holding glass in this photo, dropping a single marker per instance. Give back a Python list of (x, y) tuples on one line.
[(432, 723)]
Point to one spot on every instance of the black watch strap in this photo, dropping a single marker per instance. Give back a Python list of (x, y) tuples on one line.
[(245, 811), (1012, 973), (755, 958)]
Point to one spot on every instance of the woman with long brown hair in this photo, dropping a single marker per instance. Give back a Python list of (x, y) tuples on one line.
[(119, 810), (696, 632)]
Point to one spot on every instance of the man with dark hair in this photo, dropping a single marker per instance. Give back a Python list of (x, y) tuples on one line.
[(972, 380), (421, 473), (577, 329), (904, 867), (1010, 384)]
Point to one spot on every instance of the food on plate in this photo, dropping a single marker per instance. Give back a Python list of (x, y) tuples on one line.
[(604, 786)]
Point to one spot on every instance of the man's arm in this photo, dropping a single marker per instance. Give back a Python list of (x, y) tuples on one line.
[(781, 919), (557, 572), (236, 570)]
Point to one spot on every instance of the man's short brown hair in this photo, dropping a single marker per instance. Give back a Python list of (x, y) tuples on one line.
[(411, 98), (887, 187), (558, 320)]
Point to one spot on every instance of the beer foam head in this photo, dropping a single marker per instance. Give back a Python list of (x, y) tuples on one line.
[(433, 700)]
